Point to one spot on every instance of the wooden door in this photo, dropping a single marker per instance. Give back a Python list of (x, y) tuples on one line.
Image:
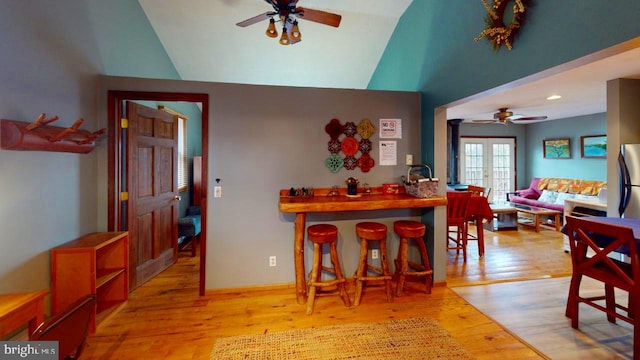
[(151, 178)]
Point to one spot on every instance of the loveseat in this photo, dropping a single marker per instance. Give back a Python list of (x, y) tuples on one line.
[(550, 193)]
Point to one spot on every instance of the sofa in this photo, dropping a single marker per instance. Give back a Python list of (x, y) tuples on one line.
[(550, 193)]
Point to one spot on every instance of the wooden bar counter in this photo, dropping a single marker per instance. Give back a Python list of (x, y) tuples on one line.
[(321, 203)]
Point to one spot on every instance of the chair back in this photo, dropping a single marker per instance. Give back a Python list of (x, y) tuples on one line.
[(591, 244), (479, 190), (457, 202), (70, 327)]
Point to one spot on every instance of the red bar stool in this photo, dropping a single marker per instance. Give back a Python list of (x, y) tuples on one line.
[(408, 229), (372, 231), (319, 235)]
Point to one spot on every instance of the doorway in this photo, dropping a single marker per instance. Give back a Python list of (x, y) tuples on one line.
[(489, 162), (117, 183)]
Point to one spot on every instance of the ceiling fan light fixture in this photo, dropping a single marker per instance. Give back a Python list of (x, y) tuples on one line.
[(295, 32), (284, 39), (271, 29)]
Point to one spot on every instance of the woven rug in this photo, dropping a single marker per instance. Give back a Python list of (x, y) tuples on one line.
[(415, 338)]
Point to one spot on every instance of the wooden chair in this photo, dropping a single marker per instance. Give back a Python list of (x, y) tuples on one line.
[(480, 191), (456, 218), (70, 327), (591, 242)]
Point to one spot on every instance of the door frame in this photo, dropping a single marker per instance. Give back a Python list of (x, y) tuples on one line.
[(115, 112)]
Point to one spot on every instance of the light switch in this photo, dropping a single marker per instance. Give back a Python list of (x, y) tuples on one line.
[(409, 159)]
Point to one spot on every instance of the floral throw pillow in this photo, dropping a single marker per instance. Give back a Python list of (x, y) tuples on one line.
[(548, 196)]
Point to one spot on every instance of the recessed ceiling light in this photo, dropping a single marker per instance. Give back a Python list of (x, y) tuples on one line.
[(554, 97)]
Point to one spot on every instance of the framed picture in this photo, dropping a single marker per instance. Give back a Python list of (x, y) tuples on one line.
[(556, 148), (593, 146)]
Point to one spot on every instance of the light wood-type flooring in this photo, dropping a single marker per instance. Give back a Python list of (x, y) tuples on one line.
[(166, 319)]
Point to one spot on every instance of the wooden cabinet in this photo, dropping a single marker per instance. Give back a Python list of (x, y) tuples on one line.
[(98, 264)]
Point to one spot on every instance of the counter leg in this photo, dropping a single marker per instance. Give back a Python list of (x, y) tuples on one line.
[(298, 256)]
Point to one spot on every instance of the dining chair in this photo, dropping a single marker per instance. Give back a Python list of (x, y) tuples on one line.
[(457, 202), (69, 327), (592, 245), (479, 191)]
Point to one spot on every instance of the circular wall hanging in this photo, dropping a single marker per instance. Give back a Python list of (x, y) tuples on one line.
[(350, 146), (497, 32)]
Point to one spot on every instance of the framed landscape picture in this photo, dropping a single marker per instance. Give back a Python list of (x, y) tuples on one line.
[(556, 148), (593, 146)]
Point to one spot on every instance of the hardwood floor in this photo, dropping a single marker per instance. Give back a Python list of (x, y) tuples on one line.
[(166, 319)]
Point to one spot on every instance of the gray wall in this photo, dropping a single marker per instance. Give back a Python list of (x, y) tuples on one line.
[(53, 52), (259, 144)]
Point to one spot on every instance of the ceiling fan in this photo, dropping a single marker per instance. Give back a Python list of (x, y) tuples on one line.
[(288, 13), (504, 116)]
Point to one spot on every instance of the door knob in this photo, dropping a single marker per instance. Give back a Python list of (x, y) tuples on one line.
[(178, 197)]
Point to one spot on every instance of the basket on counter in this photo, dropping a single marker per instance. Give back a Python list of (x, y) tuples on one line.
[(417, 185)]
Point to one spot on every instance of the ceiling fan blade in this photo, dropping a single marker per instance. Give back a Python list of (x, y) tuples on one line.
[(319, 16), (485, 121), (528, 118), (256, 19)]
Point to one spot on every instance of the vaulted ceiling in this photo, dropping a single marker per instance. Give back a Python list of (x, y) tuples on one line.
[(204, 44), (202, 40)]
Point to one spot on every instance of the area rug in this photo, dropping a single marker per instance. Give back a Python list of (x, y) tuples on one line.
[(414, 338)]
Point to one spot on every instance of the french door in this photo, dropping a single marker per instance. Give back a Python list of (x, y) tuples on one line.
[(489, 162)]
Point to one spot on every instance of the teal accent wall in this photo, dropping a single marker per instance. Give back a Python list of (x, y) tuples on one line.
[(433, 50)]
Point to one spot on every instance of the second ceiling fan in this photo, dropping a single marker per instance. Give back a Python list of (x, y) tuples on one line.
[(504, 116)]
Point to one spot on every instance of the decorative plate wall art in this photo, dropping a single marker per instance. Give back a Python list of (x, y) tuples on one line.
[(349, 145)]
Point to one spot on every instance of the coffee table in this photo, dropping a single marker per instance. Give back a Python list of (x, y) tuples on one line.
[(505, 217), (531, 215)]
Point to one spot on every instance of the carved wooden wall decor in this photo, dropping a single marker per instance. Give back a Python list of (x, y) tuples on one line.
[(39, 135)]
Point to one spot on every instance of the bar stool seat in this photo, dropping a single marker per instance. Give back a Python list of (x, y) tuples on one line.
[(372, 231), (319, 235), (409, 229)]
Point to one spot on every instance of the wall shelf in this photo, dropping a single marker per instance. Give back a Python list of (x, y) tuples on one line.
[(98, 264)]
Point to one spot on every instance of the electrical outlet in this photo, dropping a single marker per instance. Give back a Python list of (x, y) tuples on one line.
[(272, 261), (374, 254), (217, 191), (409, 159)]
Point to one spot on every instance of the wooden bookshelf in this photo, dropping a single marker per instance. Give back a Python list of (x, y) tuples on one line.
[(98, 264)]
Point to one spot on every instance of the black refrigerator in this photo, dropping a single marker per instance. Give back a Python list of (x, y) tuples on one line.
[(629, 163)]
